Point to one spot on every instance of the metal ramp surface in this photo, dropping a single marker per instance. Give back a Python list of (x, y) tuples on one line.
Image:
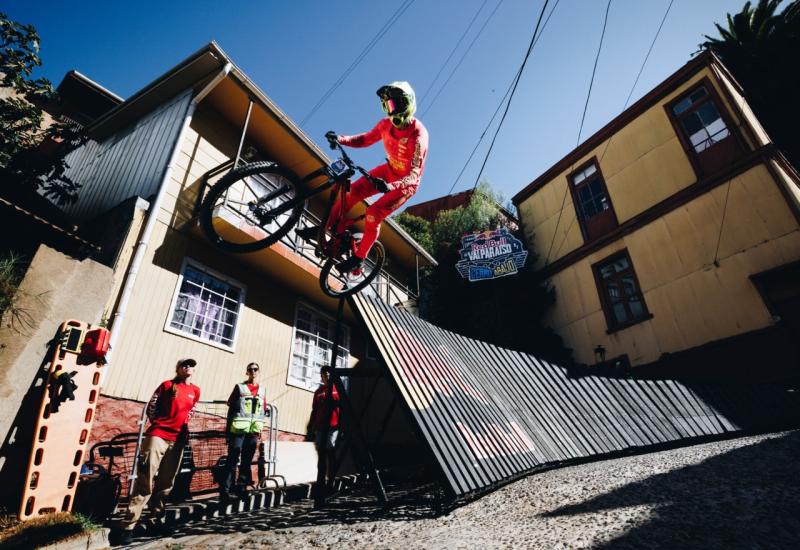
[(490, 414)]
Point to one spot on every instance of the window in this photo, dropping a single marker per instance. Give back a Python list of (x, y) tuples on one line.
[(592, 203), (313, 342), (206, 306), (704, 129), (619, 291), (700, 119)]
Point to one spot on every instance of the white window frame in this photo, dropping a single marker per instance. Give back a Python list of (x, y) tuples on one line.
[(194, 264), (314, 382)]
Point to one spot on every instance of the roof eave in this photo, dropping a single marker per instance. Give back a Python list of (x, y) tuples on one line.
[(704, 59)]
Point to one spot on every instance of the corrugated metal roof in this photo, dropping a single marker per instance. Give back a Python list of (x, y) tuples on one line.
[(490, 414)]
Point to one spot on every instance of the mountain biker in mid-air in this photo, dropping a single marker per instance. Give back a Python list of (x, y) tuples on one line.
[(405, 140)]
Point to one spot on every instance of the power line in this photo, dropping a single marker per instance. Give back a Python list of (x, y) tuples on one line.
[(739, 126), (464, 55), (499, 105), (641, 69), (511, 95), (722, 222), (627, 100), (580, 129), (453, 51), (371, 44)]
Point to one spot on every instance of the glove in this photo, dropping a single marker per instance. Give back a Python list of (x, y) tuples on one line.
[(62, 388), (381, 185), (68, 386), (332, 138)]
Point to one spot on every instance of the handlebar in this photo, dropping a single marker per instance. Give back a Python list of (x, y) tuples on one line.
[(336, 145)]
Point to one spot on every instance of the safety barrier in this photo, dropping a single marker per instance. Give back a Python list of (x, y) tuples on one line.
[(207, 447), (63, 424)]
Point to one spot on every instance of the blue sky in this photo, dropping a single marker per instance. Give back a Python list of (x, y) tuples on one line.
[(295, 49)]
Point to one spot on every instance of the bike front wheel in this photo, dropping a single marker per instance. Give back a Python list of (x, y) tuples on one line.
[(337, 285), (251, 207)]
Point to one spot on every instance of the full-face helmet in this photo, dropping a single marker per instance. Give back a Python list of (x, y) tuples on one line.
[(398, 102)]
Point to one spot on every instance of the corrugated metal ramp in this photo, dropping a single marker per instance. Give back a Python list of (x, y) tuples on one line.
[(490, 414)]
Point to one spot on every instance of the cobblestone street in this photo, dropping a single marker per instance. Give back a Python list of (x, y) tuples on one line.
[(739, 493)]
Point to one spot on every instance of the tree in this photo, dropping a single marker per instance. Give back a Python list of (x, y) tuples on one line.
[(760, 48), (481, 212), (32, 148), (508, 311), (418, 228)]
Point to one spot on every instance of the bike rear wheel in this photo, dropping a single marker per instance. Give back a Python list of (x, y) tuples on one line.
[(240, 212), (336, 285)]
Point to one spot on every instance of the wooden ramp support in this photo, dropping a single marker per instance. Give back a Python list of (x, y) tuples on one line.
[(62, 427)]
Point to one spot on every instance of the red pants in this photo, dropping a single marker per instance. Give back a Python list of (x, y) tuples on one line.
[(377, 212)]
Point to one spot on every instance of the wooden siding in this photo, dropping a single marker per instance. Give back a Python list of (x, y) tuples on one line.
[(209, 141), (146, 353), (643, 164), (692, 300), (129, 163)]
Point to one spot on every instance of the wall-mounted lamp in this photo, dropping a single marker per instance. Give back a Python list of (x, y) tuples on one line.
[(599, 354)]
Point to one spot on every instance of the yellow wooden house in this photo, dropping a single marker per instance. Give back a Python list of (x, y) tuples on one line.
[(143, 175), (672, 235)]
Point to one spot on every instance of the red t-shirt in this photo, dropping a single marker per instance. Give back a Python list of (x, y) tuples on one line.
[(406, 149), (318, 409), (171, 408)]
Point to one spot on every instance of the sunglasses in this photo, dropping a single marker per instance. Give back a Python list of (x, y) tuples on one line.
[(252, 369)]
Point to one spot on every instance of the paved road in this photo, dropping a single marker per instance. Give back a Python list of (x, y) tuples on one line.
[(740, 493)]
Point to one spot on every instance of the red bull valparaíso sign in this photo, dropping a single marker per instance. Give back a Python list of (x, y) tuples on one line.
[(490, 254)]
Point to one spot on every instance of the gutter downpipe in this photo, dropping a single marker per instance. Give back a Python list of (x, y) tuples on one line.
[(152, 218)]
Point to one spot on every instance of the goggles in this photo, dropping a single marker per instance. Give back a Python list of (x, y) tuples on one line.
[(394, 105)]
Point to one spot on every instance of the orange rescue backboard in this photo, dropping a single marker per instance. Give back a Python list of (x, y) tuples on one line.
[(62, 430)]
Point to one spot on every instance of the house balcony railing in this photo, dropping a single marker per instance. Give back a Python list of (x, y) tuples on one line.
[(384, 286)]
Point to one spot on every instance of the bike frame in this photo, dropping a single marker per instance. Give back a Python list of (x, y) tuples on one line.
[(343, 183)]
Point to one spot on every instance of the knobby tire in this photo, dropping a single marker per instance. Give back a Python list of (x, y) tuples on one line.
[(331, 262), (234, 176)]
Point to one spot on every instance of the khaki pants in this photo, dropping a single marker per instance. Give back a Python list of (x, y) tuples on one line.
[(159, 462)]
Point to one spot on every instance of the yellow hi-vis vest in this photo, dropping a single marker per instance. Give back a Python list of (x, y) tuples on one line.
[(250, 417)]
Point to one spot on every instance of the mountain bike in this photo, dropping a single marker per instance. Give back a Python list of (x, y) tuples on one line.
[(254, 205)]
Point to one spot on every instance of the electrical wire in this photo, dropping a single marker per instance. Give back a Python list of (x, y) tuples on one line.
[(580, 129), (739, 126), (461, 59), (499, 106), (371, 44), (722, 222), (627, 101), (641, 69), (511, 95), (452, 52)]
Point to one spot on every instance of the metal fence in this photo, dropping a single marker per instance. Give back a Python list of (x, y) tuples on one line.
[(204, 455)]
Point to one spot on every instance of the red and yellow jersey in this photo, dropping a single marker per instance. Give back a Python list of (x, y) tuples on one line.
[(406, 149)]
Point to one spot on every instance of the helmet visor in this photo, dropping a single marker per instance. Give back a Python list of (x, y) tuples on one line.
[(394, 105)]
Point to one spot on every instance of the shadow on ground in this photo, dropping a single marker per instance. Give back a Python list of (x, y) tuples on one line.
[(746, 498), (407, 502)]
